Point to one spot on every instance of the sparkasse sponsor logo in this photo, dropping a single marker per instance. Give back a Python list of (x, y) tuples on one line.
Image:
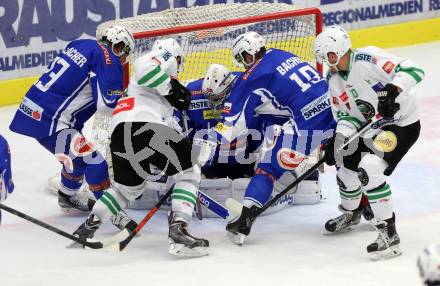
[(315, 107), (31, 109)]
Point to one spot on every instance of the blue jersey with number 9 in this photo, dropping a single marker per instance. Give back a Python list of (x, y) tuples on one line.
[(84, 77)]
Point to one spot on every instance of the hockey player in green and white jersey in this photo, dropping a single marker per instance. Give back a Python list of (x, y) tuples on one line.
[(363, 82), (146, 135)]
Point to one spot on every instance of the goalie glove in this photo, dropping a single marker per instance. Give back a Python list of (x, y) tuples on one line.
[(180, 96), (387, 105), (204, 151)]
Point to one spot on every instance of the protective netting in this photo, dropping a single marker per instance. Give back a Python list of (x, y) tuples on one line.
[(203, 46)]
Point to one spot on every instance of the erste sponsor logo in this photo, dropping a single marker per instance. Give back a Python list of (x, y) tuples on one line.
[(199, 104)]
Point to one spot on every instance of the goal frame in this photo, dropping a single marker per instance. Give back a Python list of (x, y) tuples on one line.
[(226, 23)]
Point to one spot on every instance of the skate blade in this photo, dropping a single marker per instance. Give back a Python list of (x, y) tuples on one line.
[(183, 251), (345, 230), (75, 245), (237, 239), (388, 253), (73, 211)]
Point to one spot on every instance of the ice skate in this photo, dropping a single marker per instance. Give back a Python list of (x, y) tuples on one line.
[(86, 230), (75, 204), (238, 229), (387, 243), (181, 243), (122, 221), (344, 222)]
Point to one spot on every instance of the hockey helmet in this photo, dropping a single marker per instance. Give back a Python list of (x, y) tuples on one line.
[(428, 263), (333, 39), (173, 47), (217, 84), (118, 34), (251, 43)]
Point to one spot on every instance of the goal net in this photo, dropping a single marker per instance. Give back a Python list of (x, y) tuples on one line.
[(206, 34)]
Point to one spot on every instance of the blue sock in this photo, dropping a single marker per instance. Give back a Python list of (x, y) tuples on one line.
[(258, 191)]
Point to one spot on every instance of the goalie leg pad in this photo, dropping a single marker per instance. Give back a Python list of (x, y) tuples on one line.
[(308, 193)]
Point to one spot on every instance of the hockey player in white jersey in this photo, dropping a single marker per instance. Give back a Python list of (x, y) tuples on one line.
[(146, 134), (363, 82), (428, 263)]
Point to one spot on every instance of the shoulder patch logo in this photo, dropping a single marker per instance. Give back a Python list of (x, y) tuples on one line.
[(124, 104), (388, 66), (289, 159)]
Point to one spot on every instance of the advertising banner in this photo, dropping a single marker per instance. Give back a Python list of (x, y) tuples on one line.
[(32, 32)]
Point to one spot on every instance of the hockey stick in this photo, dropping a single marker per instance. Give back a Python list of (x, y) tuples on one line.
[(123, 244), (374, 123), (214, 206), (89, 243)]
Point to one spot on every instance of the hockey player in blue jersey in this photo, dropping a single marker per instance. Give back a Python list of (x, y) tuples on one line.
[(6, 183), (85, 77), (275, 83)]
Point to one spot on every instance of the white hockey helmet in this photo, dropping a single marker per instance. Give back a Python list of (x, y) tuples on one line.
[(429, 264), (173, 47), (217, 84), (333, 39), (118, 34), (249, 42)]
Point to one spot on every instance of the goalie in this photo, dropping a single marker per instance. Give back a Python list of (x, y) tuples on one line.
[(146, 133)]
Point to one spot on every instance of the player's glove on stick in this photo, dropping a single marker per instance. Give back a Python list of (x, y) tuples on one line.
[(387, 106), (180, 96)]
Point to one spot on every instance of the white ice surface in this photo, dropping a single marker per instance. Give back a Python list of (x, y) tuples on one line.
[(286, 248)]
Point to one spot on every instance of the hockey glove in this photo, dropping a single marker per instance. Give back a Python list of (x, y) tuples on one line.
[(329, 152), (180, 96), (333, 151), (387, 106), (204, 151)]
